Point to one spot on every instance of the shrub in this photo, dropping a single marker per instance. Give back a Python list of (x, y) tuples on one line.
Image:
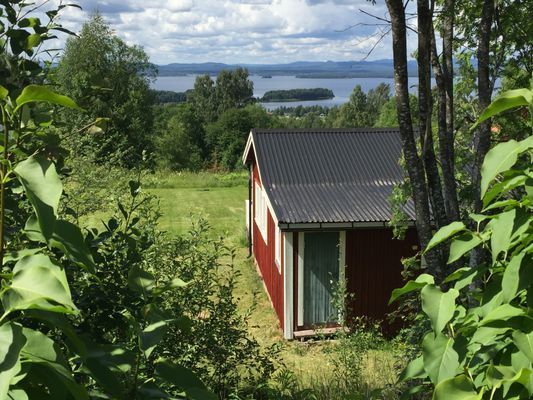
[(219, 349)]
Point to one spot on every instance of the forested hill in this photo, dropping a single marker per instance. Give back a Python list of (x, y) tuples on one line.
[(302, 69)]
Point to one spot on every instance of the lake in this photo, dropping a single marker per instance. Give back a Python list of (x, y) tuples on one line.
[(342, 88)]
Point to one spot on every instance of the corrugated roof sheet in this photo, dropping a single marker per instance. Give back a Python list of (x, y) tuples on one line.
[(329, 175)]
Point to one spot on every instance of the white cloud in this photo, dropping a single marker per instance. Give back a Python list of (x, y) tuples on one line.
[(247, 31)]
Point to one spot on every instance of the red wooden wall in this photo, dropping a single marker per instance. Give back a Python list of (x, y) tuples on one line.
[(265, 257), (374, 267)]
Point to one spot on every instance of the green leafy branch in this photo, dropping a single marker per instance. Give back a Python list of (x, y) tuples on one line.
[(480, 343)]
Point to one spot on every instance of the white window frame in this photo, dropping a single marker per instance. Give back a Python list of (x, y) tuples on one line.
[(261, 211), (277, 246)]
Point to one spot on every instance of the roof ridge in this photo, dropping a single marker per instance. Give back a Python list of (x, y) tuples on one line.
[(324, 130)]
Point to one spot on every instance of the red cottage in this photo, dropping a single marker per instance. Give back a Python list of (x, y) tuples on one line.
[(319, 212)]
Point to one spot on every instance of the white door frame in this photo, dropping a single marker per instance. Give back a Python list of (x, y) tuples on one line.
[(288, 285), (301, 250)]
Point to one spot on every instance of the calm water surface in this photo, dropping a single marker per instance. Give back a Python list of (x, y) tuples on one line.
[(342, 88)]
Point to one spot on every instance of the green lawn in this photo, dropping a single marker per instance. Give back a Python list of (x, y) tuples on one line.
[(182, 198), (223, 207)]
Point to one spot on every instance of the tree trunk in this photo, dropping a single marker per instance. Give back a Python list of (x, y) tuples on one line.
[(413, 162), (425, 107), (482, 135), (447, 148)]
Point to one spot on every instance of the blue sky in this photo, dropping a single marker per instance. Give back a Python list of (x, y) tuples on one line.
[(241, 31)]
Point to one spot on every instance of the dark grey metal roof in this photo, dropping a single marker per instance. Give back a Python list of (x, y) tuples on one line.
[(329, 175)]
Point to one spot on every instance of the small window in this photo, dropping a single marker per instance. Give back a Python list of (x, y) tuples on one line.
[(260, 208), (278, 249)]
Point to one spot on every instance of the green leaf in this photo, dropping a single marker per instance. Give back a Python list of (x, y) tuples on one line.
[(140, 281), (421, 281), (526, 143), (29, 22), (32, 230), (17, 255), (502, 313), (32, 41), (11, 343), (496, 374), (3, 93), (502, 204), (458, 388), (106, 364), (66, 237), (43, 351), (170, 285), (441, 361), (69, 239), (486, 335), (150, 390), (519, 360), (499, 159), (502, 187), (445, 233), (135, 188), (502, 229), (461, 245), (414, 370), (98, 126), (17, 394), (37, 93), (43, 188), (38, 283), (523, 377), (524, 342), (152, 335), (438, 306), (464, 277), (176, 283), (506, 101), (184, 379), (511, 278)]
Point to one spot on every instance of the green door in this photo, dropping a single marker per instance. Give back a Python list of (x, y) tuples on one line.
[(321, 271)]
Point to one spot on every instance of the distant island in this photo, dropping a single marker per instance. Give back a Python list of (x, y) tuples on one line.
[(274, 96), (168, 96), (266, 76), (300, 69)]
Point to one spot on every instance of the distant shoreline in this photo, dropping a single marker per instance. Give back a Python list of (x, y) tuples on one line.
[(299, 69), (325, 75)]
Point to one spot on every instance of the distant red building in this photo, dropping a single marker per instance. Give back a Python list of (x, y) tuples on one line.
[(319, 212)]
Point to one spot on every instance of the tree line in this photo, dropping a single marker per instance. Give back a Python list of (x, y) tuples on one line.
[(203, 128)]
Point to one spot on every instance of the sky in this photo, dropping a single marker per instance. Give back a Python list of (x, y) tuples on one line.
[(242, 31)]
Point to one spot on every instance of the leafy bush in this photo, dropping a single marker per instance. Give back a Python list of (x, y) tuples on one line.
[(218, 348)]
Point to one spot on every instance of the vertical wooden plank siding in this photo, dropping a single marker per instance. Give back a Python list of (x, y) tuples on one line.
[(373, 260), (266, 260)]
